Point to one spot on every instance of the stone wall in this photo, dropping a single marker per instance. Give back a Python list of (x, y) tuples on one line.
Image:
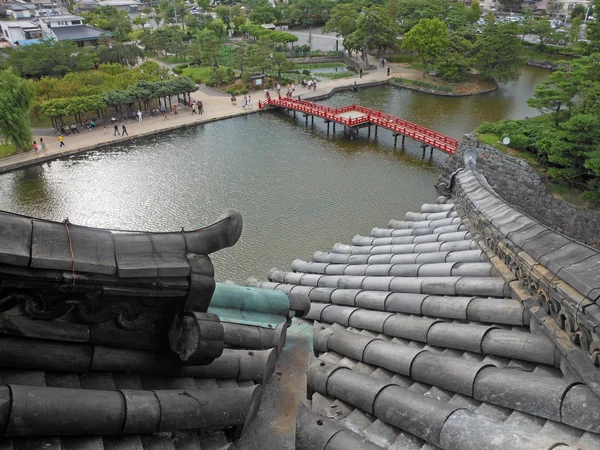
[(520, 186)]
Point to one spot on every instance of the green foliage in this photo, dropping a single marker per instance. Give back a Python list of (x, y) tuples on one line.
[(593, 29), (110, 19), (578, 11), (375, 30), (453, 66), (429, 38), (498, 52), (16, 97), (50, 58), (127, 55), (575, 85), (210, 46)]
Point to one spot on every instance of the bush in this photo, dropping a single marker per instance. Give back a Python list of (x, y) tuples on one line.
[(243, 91), (520, 142)]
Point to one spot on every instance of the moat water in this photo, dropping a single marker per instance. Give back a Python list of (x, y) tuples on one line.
[(298, 190)]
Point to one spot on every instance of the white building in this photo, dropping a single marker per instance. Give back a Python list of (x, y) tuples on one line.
[(20, 32), (69, 27)]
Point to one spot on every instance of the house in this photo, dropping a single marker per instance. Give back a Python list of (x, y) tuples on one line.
[(18, 31), (123, 5), (86, 5), (19, 9), (69, 27)]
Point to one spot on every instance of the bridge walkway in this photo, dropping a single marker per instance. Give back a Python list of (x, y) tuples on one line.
[(355, 116)]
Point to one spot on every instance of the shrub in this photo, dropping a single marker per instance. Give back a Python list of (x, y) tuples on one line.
[(243, 91), (520, 142)]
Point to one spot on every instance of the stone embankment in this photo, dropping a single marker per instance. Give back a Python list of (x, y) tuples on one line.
[(520, 186)]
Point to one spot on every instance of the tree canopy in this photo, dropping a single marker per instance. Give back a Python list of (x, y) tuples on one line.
[(429, 38), (16, 96), (50, 58), (110, 19), (498, 51)]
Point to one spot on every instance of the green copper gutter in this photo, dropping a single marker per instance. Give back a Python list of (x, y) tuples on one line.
[(249, 306)]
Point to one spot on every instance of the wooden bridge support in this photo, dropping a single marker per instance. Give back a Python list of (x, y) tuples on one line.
[(369, 132), (424, 146), (375, 130)]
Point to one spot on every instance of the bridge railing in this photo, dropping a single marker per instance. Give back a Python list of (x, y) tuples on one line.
[(412, 130)]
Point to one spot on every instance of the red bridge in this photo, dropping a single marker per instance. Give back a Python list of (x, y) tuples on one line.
[(358, 116)]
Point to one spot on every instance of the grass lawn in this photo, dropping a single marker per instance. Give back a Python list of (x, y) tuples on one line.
[(7, 150), (199, 74), (170, 59)]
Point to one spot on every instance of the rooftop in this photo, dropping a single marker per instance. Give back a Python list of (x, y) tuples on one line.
[(79, 33)]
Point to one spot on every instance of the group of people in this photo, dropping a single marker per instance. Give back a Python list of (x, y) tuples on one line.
[(36, 149), (198, 105), (310, 84)]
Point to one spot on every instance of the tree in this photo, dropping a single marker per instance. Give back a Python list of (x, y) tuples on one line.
[(16, 96), (375, 29), (263, 14), (140, 21), (544, 32), (429, 38), (308, 13), (453, 66), (50, 58), (110, 19), (593, 29), (170, 9), (128, 55), (238, 21), (223, 13), (343, 21), (498, 52), (578, 11), (557, 93), (571, 146), (210, 45)]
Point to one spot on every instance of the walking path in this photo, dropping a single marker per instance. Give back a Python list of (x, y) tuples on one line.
[(216, 107)]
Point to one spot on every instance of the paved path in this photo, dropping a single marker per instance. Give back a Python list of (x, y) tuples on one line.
[(216, 106)]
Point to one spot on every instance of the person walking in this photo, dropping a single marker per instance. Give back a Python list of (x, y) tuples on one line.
[(175, 110), (116, 128), (42, 144), (124, 130), (140, 116), (35, 148), (193, 108), (61, 140), (165, 110), (388, 71), (314, 85), (105, 130), (244, 102), (200, 107), (360, 72), (249, 99)]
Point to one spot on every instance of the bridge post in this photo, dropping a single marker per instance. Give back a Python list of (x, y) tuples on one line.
[(395, 140), (403, 138), (375, 130), (369, 133), (306, 117), (431, 153), (424, 149), (328, 127), (294, 113), (312, 120), (334, 128)]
